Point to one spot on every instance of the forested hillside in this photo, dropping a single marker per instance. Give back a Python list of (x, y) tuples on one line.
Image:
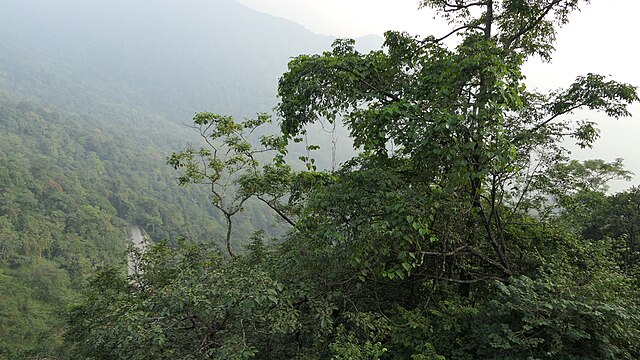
[(57, 224), (459, 227), (461, 230), (93, 99), (68, 191), (163, 57)]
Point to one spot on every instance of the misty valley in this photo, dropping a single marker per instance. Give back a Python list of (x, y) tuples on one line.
[(196, 179)]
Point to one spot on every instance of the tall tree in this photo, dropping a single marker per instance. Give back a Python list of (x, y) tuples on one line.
[(457, 127), (436, 240)]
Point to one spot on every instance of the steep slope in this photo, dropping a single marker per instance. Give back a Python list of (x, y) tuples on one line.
[(168, 57), (93, 98)]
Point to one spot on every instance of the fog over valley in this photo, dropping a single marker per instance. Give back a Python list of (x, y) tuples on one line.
[(303, 179)]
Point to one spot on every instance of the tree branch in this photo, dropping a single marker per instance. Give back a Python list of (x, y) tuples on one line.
[(531, 25), (278, 211), (454, 31), (458, 7)]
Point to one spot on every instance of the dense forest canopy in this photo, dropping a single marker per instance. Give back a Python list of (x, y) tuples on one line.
[(461, 230), (93, 99)]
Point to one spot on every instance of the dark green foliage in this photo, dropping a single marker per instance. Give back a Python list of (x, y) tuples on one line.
[(67, 191), (107, 87), (29, 327), (461, 230), (559, 320), (614, 220), (188, 303)]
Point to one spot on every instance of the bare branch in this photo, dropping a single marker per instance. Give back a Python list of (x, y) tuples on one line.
[(454, 31), (457, 7), (277, 210)]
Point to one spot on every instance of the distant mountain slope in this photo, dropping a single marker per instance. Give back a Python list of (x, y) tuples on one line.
[(136, 71), (93, 98), (150, 65), (167, 56)]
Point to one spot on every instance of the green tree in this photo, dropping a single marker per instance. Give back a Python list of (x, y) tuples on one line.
[(187, 303), (616, 220), (455, 128), (229, 166), (453, 188), (443, 238)]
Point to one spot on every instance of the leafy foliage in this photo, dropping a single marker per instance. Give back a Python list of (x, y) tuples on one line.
[(227, 160), (89, 98), (67, 192), (462, 230), (189, 304)]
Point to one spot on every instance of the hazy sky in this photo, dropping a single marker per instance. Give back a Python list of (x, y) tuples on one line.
[(349, 17), (602, 38)]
